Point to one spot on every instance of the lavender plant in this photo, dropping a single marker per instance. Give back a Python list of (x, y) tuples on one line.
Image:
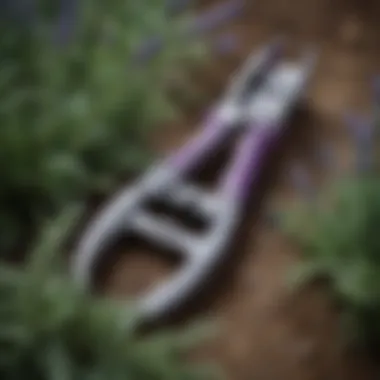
[(49, 329), (75, 103), (338, 234)]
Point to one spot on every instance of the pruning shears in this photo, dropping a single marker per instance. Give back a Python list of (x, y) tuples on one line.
[(257, 104)]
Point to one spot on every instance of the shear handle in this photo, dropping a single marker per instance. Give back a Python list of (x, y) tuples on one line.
[(247, 165)]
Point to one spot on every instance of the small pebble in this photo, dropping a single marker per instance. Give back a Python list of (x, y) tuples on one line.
[(350, 31), (326, 157), (302, 180), (306, 350)]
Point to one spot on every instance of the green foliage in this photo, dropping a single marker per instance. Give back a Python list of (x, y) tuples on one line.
[(338, 234), (49, 329), (74, 105), (339, 237), (75, 109)]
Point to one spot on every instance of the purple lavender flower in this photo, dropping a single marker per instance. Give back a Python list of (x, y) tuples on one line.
[(203, 23), (4, 6), (211, 19), (226, 43), (148, 49), (360, 128), (67, 21), (362, 131), (24, 11)]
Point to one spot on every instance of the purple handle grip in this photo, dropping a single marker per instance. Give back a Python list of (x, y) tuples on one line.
[(201, 145), (249, 160)]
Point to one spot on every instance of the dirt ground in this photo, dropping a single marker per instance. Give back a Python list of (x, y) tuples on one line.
[(267, 333)]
